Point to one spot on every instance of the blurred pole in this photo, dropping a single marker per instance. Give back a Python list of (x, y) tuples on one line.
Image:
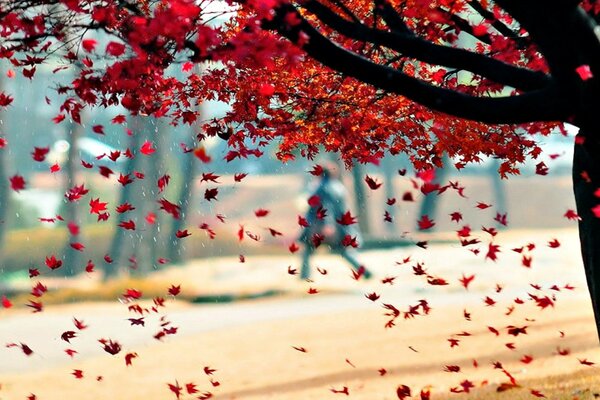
[(360, 197)]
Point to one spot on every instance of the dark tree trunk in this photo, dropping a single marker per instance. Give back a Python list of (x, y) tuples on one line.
[(586, 180)]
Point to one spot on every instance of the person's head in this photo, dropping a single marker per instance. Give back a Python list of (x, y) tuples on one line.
[(331, 171)]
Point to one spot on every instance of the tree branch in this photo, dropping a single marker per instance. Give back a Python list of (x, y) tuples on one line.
[(466, 27), (391, 17), (422, 50), (538, 105), (497, 24)]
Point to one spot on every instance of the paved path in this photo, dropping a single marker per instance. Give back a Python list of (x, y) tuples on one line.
[(42, 331)]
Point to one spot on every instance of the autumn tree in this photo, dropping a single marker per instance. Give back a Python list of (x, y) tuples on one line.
[(466, 78)]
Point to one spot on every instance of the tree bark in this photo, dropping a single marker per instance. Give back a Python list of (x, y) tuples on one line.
[(586, 180)]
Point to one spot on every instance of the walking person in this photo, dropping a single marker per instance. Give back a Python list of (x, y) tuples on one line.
[(328, 204)]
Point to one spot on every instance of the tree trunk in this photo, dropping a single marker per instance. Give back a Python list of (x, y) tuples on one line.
[(4, 200), (499, 191), (120, 238), (71, 209), (586, 180), (188, 165), (430, 202), (146, 238), (360, 197), (389, 173)]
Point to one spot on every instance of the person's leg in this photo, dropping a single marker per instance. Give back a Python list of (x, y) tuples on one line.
[(350, 255), (305, 271)]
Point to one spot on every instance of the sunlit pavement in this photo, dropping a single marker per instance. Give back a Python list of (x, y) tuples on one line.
[(337, 292)]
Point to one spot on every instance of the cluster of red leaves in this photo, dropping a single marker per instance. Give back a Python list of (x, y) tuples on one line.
[(278, 93)]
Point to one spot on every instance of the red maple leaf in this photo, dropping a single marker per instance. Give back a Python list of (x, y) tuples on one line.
[(346, 219), (584, 361), (343, 390), (129, 357), (201, 154), (180, 234), (261, 213), (403, 391), (5, 100), (493, 249), (466, 280), (541, 169), (77, 373), (209, 177), (483, 206), (39, 153), (211, 194), (73, 228), (110, 346), (537, 393), (239, 177), (53, 263), (169, 207), (176, 389), (6, 303), (489, 301), (147, 148), (79, 324), (572, 215), (451, 368), (96, 206), (127, 225), (425, 223), (174, 290), (372, 183), (17, 183), (209, 371), (526, 359), (372, 296)]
